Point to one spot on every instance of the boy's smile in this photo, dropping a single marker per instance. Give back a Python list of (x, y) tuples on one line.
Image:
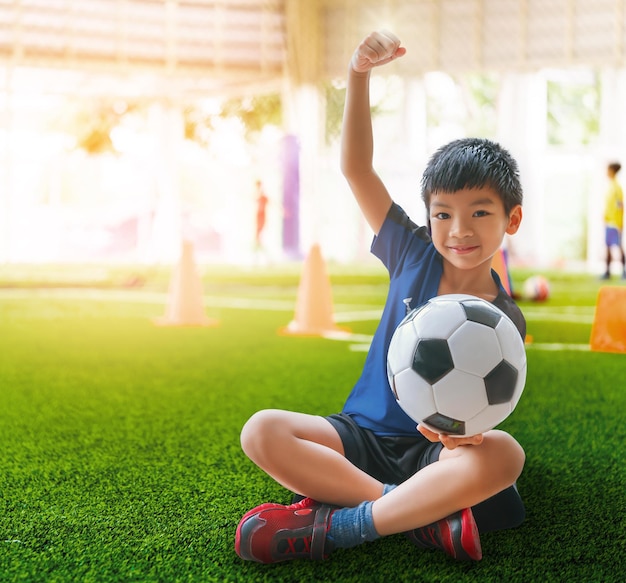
[(462, 250), (467, 226)]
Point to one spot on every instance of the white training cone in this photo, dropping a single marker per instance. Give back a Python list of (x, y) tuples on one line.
[(185, 306), (314, 307)]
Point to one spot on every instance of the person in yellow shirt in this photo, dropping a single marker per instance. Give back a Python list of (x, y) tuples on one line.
[(614, 218)]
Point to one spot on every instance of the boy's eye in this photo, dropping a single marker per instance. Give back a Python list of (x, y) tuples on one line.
[(481, 213), (441, 216)]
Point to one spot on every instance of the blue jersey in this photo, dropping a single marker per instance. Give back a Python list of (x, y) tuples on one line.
[(415, 269)]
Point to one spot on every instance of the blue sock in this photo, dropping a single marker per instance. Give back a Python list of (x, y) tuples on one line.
[(350, 527), (388, 488)]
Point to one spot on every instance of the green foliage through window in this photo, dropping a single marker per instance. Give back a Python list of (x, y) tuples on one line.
[(574, 111)]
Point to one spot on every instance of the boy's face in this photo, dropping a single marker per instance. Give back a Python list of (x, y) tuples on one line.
[(467, 226)]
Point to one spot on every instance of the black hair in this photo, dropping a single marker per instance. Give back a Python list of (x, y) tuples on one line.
[(615, 167), (473, 163)]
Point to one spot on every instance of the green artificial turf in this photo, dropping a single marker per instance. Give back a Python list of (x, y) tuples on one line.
[(120, 457)]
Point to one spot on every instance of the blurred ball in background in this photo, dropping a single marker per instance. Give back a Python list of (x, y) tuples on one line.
[(536, 288)]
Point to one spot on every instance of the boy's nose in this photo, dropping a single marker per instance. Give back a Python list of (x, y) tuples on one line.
[(460, 228)]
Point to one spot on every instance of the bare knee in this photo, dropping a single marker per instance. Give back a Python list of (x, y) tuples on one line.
[(260, 432), (510, 456)]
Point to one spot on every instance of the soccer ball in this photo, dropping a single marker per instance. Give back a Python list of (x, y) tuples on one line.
[(536, 288), (457, 365)]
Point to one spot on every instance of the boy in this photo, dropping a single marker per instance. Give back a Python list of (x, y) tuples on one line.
[(368, 472), (614, 219)]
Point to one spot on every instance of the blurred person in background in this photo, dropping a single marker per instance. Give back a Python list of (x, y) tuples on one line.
[(614, 219)]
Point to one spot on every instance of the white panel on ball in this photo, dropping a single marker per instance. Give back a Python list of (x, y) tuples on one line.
[(519, 387), (440, 321), (475, 348), (513, 350), (402, 356), (488, 417), (460, 395), (414, 394)]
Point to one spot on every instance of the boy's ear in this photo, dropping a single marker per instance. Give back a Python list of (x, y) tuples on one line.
[(515, 219)]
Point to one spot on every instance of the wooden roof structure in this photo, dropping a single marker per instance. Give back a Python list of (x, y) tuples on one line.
[(200, 47)]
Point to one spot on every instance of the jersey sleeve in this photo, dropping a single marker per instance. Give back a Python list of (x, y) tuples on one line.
[(396, 239)]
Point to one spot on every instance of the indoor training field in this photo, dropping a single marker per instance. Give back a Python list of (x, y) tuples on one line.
[(120, 457)]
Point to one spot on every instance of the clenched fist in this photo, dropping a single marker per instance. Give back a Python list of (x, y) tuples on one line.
[(376, 49)]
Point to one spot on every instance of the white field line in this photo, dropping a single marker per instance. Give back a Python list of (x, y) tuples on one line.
[(143, 297), (342, 315), (358, 342), (556, 346), (575, 315), (361, 343), (86, 294), (360, 316)]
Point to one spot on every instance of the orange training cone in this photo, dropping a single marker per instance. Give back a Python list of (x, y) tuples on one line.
[(185, 305), (314, 306), (608, 332), (498, 264)]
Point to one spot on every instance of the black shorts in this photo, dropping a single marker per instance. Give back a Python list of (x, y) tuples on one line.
[(392, 460), (389, 459)]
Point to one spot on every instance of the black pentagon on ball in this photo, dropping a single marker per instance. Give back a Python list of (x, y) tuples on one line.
[(432, 359), (500, 383), (446, 424), (481, 312)]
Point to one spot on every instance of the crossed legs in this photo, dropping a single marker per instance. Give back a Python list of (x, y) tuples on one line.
[(304, 453)]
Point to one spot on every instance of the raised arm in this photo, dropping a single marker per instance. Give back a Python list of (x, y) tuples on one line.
[(357, 144)]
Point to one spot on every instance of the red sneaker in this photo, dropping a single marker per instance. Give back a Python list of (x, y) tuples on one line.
[(302, 503), (272, 533), (456, 535)]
